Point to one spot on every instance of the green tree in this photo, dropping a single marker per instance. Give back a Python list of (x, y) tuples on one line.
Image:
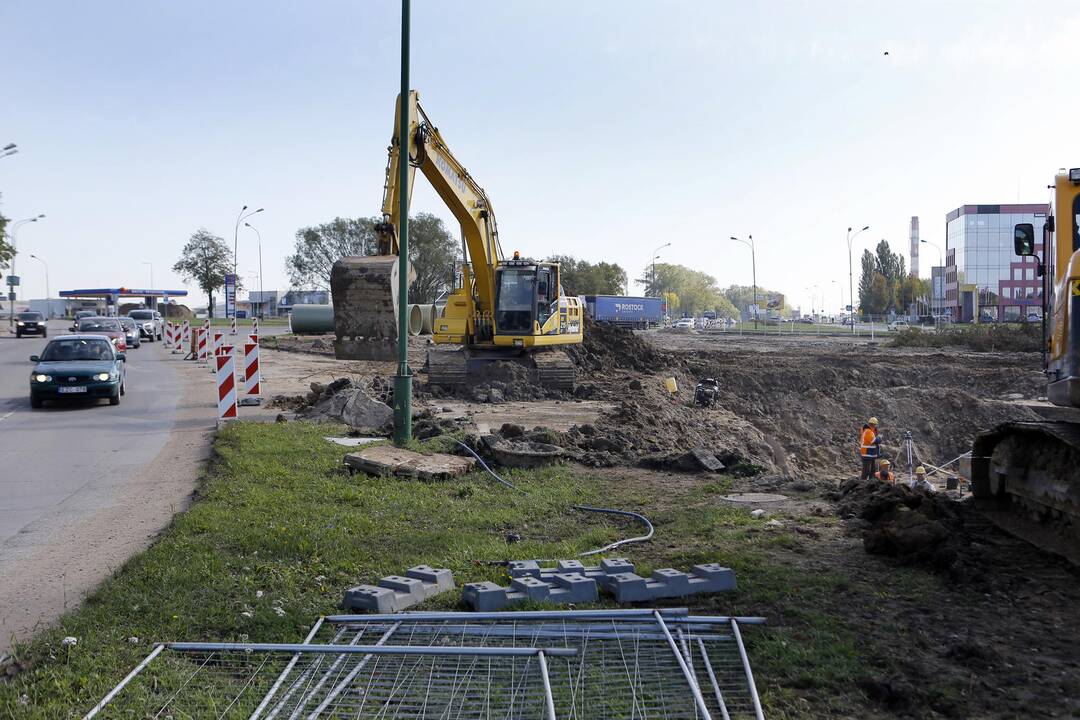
[(580, 277), (318, 247), (432, 252), (206, 260), (742, 296), (6, 250), (866, 283)]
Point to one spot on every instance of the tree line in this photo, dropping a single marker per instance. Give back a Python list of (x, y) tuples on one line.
[(885, 285)]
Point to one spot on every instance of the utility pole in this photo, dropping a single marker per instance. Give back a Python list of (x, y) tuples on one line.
[(48, 303), (403, 379), (14, 253), (655, 289), (753, 267), (262, 295), (851, 276)]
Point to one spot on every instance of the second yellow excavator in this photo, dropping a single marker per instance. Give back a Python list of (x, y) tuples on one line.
[(501, 310)]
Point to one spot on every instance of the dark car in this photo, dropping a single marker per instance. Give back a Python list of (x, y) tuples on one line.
[(30, 323), (85, 313), (131, 332), (107, 326), (77, 366)]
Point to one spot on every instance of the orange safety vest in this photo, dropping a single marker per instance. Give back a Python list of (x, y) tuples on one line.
[(884, 475), (867, 446)]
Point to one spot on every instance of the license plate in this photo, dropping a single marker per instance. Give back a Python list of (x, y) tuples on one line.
[(72, 389)]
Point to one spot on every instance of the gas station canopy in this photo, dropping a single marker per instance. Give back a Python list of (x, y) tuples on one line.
[(112, 295)]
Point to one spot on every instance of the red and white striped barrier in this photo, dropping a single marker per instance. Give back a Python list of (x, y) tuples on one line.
[(215, 347), (253, 337), (232, 325), (168, 335), (177, 338), (255, 326), (185, 339), (226, 386), (251, 369), (200, 335)]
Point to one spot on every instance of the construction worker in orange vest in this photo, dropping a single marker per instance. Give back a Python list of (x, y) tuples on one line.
[(869, 448), (885, 473)]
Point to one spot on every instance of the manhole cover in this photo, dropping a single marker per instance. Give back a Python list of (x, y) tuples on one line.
[(755, 497)]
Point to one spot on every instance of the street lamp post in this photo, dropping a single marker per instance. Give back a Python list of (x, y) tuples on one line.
[(9, 149), (262, 296), (753, 266), (654, 267), (236, 232), (14, 253), (48, 295), (841, 288), (851, 275)]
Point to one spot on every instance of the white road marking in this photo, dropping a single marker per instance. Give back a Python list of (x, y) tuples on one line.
[(5, 416)]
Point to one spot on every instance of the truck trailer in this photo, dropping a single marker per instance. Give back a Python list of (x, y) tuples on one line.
[(631, 312)]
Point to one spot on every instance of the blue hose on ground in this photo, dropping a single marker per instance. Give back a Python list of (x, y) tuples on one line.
[(583, 508), (491, 472)]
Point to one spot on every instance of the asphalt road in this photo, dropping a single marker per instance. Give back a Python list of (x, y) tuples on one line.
[(60, 460)]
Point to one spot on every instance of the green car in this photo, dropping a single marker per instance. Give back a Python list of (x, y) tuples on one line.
[(78, 366)]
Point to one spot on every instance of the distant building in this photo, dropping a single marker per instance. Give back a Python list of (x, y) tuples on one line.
[(937, 290), (984, 279), (264, 303)]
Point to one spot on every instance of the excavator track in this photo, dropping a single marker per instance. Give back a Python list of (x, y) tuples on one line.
[(460, 367), (1026, 478)]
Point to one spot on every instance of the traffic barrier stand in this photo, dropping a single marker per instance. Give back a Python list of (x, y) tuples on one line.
[(226, 387), (252, 376), (185, 341), (168, 335), (214, 348), (200, 334), (255, 326), (232, 325), (253, 337)]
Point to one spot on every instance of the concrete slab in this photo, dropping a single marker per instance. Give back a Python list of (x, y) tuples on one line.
[(383, 460), (395, 593)]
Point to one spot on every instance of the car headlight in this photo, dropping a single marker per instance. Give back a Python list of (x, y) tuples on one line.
[(101, 376), (43, 378), (18, 322)]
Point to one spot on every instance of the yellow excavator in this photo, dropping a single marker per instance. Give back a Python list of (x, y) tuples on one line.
[(501, 310), (1034, 467)]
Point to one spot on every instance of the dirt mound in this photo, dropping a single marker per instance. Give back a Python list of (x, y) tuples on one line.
[(815, 404), (310, 344), (341, 401), (498, 382), (605, 347), (914, 526)]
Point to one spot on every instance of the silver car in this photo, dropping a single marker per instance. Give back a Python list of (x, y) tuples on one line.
[(131, 332), (151, 324)]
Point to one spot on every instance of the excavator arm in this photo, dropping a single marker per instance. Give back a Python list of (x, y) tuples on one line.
[(463, 196)]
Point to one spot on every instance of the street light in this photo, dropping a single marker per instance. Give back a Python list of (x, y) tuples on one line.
[(654, 266), (262, 297), (14, 253), (850, 275), (753, 266), (236, 231), (9, 149), (146, 262), (48, 295)]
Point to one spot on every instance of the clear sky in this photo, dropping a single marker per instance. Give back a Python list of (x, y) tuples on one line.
[(600, 129)]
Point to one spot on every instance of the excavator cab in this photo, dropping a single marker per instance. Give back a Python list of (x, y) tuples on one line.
[(526, 296)]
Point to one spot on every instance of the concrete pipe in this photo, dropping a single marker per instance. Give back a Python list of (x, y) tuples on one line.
[(416, 320), (427, 316), (312, 319)]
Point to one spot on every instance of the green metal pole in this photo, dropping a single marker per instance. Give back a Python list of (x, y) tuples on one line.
[(403, 379)]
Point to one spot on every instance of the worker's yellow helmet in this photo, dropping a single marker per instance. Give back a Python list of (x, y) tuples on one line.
[(885, 463), (920, 470), (872, 421)]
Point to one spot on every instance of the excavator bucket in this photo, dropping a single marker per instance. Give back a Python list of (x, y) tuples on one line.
[(365, 295)]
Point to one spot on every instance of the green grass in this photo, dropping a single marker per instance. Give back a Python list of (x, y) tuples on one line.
[(276, 513)]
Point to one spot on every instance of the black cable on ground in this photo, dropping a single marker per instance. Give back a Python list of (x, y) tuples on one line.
[(491, 472)]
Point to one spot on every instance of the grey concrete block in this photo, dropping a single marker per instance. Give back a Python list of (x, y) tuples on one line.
[(626, 587), (675, 581), (485, 596), (370, 598), (520, 568), (616, 565), (573, 588), (570, 566), (436, 580), (719, 577), (395, 593), (530, 587)]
